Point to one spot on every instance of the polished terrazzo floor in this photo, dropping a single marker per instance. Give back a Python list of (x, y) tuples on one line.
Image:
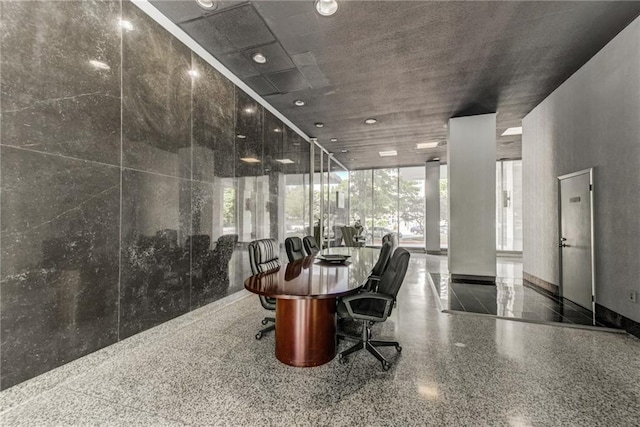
[(205, 368)]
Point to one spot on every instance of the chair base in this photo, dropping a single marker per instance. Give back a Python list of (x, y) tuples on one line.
[(268, 328), (365, 342)]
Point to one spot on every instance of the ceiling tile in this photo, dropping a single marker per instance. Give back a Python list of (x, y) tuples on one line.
[(288, 81)]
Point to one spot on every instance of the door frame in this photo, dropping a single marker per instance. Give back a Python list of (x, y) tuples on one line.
[(591, 231)]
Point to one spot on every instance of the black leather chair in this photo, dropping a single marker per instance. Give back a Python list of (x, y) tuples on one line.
[(372, 307), (380, 267), (393, 238), (293, 247), (263, 257), (310, 245)]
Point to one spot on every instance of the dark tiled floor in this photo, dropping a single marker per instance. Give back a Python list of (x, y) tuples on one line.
[(509, 298)]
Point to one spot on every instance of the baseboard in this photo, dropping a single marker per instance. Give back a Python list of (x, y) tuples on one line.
[(610, 317), (536, 282), (468, 278)]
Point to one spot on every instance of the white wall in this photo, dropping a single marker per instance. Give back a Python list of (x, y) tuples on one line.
[(593, 119), (471, 159)]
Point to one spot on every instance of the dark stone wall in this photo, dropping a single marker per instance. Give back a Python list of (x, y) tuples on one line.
[(124, 200)]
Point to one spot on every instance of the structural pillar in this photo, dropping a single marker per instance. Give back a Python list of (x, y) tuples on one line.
[(432, 206), (471, 158)]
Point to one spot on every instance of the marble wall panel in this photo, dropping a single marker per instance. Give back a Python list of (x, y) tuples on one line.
[(60, 237), (249, 135), (156, 88), (185, 196), (213, 123), (155, 250), (273, 143), (211, 250), (61, 78)]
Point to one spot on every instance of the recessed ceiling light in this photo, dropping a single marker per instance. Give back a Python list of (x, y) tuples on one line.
[(285, 161), (240, 136), (250, 160), (344, 151), (319, 125), (298, 103), (422, 145), (389, 153), (249, 110), (207, 4), (334, 139), (277, 130), (512, 131), (194, 73), (326, 7), (371, 121), (351, 160), (259, 58), (125, 25), (296, 143), (99, 65)]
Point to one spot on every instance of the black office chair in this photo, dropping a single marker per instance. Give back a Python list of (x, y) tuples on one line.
[(380, 267), (373, 307), (393, 238), (263, 256), (293, 246), (310, 245)]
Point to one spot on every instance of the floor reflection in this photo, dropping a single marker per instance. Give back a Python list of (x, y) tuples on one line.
[(510, 297)]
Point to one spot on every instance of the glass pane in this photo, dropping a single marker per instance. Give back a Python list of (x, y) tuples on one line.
[(509, 205), (411, 206), (339, 186), (361, 199), (444, 208), (385, 204)]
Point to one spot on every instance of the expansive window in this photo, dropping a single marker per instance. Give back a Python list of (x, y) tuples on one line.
[(389, 200), (385, 204), (411, 206), (361, 198), (392, 200)]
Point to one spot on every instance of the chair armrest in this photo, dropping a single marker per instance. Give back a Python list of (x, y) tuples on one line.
[(372, 283), (388, 299)]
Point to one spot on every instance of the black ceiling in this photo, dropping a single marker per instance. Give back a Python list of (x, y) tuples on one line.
[(412, 65)]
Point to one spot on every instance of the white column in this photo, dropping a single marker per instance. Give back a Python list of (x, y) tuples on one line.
[(432, 209), (471, 158)]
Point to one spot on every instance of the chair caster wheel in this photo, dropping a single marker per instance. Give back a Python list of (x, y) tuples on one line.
[(259, 335), (342, 360), (386, 366), (399, 349), (264, 321)]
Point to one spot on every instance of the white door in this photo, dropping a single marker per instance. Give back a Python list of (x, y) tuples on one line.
[(576, 238)]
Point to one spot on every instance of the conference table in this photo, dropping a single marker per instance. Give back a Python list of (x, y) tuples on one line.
[(306, 291)]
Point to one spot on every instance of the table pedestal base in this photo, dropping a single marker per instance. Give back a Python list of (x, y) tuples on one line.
[(306, 331)]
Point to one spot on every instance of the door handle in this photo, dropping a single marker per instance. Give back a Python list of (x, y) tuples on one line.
[(562, 243)]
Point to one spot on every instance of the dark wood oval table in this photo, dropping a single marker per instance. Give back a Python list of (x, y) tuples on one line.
[(306, 291)]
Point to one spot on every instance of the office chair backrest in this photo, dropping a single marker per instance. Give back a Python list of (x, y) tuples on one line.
[(393, 238), (348, 234), (310, 245), (264, 255), (394, 275), (383, 260), (293, 246)]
